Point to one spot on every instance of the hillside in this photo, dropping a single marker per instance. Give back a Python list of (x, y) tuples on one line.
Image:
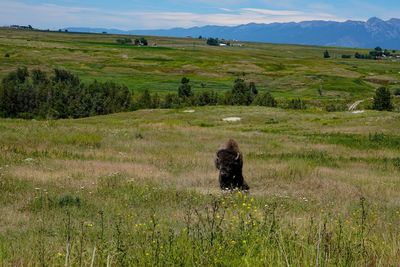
[(140, 188), (285, 70), (363, 34), (133, 186)]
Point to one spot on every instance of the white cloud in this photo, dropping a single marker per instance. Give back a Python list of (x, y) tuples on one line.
[(269, 12), (226, 9), (57, 16)]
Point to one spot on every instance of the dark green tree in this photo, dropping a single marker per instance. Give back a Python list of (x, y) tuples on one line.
[(213, 41), (145, 100), (185, 90), (383, 99), (241, 94), (141, 41), (326, 54)]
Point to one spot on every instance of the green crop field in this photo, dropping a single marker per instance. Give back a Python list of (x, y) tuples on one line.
[(141, 189)]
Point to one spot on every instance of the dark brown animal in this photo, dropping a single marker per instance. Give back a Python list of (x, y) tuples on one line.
[(229, 162)]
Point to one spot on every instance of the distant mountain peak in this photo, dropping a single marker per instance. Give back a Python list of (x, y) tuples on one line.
[(374, 20), (364, 34)]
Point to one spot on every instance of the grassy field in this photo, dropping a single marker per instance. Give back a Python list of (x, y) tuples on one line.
[(141, 188), (285, 70)]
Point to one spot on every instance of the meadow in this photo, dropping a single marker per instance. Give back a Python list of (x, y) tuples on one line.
[(140, 188), (284, 70), (129, 184)]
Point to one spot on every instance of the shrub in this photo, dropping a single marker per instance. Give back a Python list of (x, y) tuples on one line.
[(382, 99), (185, 89), (7, 55), (397, 92), (326, 54), (145, 100), (265, 99), (334, 107), (207, 98), (346, 56), (69, 201), (123, 41), (296, 104), (156, 101), (172, 101)]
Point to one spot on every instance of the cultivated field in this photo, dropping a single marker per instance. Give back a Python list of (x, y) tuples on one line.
[(141, 189)]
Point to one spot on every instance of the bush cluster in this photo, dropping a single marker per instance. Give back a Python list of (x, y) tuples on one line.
[(123, 41), (377, 53), (242, 93), (35, 94)]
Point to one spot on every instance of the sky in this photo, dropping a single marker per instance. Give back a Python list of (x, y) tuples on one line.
[(164, 14)]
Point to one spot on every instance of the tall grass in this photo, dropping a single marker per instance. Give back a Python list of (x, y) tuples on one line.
[(140, 189), (227, 230)]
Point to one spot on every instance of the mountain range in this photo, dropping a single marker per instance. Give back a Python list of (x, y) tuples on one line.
[(363, 34)]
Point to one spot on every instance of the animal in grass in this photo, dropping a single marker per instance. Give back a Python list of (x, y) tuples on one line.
[(229, 162)]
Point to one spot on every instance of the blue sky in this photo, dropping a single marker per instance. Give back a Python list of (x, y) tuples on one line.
[(156, 14)]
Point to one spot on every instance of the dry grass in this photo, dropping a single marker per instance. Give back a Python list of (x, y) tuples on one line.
[(168, 153)]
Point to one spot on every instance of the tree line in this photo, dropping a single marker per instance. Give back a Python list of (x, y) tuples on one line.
[(138, 41), (61, 94), (36, 94), (242, 93), (377, 53)]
